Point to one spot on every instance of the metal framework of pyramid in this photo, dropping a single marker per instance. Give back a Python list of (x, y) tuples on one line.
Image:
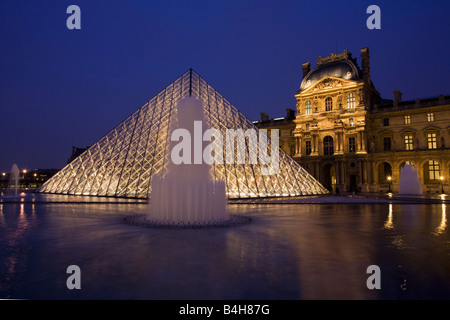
[(122, 163)]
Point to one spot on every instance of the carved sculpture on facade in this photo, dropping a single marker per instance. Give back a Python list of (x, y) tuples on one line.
[(328, 83)]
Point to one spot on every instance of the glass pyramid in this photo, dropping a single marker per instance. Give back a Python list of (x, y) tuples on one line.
[(122, 163)]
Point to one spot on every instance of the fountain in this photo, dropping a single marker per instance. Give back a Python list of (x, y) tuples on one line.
[(14, 178), (187, 196), (409, 183)]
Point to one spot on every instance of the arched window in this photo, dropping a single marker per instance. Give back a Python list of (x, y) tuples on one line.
[(402, 165), (308, 107), (351, 101), (328, 104), (328, 148), (384, 171), (431, 171)]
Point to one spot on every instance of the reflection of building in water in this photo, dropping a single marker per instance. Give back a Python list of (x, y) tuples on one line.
[(441, 228), (351, 139), (389, 224)]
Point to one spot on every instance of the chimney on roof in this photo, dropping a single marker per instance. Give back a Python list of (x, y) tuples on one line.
[(365, 64), (290, 114), (397, 97), (306, 67), (264, 116)]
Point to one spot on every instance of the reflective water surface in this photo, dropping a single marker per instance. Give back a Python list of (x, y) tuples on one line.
[(314, 251)]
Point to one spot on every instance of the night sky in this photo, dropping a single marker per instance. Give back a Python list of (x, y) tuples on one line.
[(61, 88)]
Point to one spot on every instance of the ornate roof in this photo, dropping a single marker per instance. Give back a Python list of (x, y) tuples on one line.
[(344, 69)]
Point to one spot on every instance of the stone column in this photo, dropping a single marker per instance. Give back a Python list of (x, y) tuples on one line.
[(374, 173), (365, 167), (338, 138), (316, 171), (358, 144), (364, 176), (361, 144), (361, 173), (298, 146), (363, 141), (340, 144), (342, 175), (314, 147)]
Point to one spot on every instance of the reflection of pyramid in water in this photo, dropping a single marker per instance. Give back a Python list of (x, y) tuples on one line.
[(122, 163)]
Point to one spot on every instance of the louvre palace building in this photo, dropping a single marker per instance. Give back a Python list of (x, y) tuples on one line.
[(351, 139)]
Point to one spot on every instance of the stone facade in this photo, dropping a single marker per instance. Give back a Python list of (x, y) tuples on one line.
[(351, 140)]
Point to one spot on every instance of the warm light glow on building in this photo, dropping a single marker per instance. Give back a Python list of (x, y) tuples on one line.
[(91, 173), (340, 114)]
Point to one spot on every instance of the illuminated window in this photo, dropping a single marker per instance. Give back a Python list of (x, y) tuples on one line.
[(430, 117), (409, 142), (433, 170), (351, 144), (351, 122), (328, 104), (308, 147), (407, 119), (328, 148), (432, 140), (351, 101), (308, 107)]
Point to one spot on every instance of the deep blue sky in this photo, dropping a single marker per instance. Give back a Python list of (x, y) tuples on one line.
[(60, 87)]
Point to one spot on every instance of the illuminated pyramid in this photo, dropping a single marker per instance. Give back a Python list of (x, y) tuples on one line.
[(123, 162)]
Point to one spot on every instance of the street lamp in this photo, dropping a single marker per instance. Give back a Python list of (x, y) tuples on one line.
[(442, 184), (389, 179)]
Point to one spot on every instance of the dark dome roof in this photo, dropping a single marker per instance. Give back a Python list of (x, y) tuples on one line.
[(344, 69)]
